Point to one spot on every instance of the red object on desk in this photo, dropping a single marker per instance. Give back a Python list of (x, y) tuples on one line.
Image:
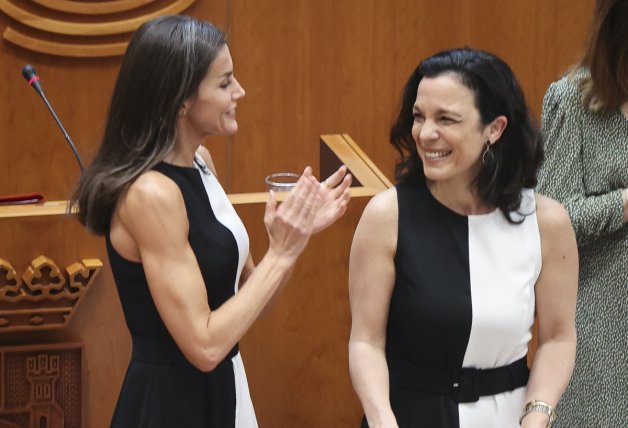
[(25, 198)]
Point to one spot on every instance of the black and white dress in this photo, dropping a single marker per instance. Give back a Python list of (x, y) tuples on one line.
[(463, 298), (161, 388)]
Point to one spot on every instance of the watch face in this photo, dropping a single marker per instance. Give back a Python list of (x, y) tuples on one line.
[(542, 407)]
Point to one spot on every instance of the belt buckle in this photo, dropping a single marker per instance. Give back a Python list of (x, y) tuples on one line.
[(465, 386)]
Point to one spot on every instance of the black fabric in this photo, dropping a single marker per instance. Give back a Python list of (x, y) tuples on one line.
[(427, 398), (429, 320), (430, 317), (160, 395), (161, 388), (464, 385)]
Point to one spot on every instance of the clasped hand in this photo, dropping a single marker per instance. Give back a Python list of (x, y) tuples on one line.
[(309, 208)]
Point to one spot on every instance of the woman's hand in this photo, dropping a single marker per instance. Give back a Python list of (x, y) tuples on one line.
[(290, 224), (335, 197)]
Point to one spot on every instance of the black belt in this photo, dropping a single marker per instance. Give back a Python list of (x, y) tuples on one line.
[(464, 385)]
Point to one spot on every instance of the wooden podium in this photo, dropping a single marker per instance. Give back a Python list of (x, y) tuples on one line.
[(296, 358)]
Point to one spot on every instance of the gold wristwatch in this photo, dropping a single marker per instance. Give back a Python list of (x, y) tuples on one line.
[(539, 406)]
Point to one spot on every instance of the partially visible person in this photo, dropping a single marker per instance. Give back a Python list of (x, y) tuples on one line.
[(178, 251), (585, 124), (449, 267)]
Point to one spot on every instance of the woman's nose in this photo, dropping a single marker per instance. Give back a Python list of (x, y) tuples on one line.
[(428, 131), (239, 92)]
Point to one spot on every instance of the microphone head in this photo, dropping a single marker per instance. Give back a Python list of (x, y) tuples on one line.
[(28, 71)]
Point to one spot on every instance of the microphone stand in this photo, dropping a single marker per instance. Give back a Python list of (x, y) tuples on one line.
[(65, 133), (33, 79)]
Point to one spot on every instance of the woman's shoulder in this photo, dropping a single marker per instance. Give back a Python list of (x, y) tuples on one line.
[(377, 228), (563, 100), (568, 89), (558, 239), (149, 204), (551, 215), (152, 191), (382, 208), (382, 200)]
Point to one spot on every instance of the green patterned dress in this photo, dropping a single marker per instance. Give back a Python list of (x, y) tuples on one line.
[(586, 168)]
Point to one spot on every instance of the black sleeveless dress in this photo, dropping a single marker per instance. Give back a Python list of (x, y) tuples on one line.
[(463, 298), (161, 388)]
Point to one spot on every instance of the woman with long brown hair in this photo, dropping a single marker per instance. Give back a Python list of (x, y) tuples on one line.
[(178, 251), (585, 122)]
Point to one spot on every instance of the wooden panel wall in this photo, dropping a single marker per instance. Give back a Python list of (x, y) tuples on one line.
[(309, 68)]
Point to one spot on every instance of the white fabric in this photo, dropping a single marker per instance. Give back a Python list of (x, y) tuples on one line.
[(245, 413), (502, 295), (226, 214)]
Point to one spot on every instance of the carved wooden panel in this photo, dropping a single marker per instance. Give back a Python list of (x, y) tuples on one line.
[(44, 297), (40, 386), (82, 37)]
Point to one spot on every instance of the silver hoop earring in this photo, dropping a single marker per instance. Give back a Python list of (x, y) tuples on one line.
[(488, 158)]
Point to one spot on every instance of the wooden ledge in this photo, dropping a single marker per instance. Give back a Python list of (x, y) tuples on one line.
[(34, 210), (335, 150)]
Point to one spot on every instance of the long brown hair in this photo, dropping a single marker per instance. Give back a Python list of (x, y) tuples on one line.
[(606, 56), (164, 64)]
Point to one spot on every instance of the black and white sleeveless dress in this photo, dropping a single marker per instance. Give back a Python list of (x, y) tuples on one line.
[(463, 298), (161, 388)]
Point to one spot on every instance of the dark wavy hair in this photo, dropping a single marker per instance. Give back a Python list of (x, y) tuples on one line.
[(606, 56), (496, 93), (164, 64)]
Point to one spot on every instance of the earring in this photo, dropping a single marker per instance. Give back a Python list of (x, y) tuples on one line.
[(183, 112), (488, 158)]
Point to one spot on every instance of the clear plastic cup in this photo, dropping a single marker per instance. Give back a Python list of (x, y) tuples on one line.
[(281, 181)]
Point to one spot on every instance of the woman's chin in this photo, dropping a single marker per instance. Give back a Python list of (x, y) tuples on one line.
[(229, 129), (434, 174)]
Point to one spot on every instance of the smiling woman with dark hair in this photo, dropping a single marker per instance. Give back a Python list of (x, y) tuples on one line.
[(449, 267)]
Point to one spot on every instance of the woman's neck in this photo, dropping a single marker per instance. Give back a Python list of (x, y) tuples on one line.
[(461, 199), (181, 156), (185, 146)]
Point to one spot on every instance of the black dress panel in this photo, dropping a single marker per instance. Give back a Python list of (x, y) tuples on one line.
[(463, 300), (161, 388)]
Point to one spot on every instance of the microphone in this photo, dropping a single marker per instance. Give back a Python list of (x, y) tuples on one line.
[(32, 78)]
